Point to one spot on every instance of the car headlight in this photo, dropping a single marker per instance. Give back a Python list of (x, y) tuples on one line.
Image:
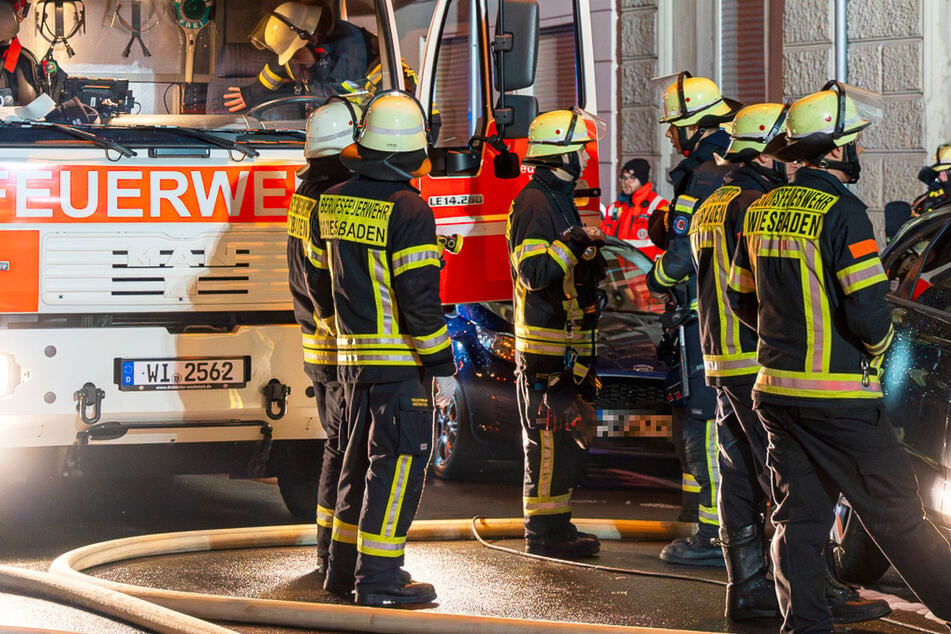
[(501, 345), (10, 374)]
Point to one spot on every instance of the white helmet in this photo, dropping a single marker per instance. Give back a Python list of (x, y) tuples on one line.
[(394, 122), (287, 29), (331, 127)]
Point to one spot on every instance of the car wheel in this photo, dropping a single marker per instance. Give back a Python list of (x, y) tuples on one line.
[(298, 466), (856, 557), (454, 451)]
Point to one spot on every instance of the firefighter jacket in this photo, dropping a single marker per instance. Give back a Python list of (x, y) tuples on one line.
[(19, 72), (383, 260), (307, 270), (343, 55), (729, 346), (554, 292), (695, 178), (807, 271), (626, 219)]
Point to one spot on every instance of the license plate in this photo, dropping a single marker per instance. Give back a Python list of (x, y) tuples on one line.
[(190, 373)]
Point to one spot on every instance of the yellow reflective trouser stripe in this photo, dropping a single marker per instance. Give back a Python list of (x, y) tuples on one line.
[(805, 385), (343, 532), (862, 275), (707, 513), (320, 357), (386, 543), (689, 484), (414, 258), (730, 365), (325, 516), (546, 462), (879, 348), (430, 344), (547, 505), (397, 491)]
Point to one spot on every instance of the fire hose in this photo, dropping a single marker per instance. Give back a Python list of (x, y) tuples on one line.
[(172, 611)]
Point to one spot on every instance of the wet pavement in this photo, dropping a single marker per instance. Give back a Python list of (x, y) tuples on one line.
[(39, 524)]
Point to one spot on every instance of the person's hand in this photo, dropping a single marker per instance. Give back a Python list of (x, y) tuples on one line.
[(234, 100), (445, 387), (661, 296)]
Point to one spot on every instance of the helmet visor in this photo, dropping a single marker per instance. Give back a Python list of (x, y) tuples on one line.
[(669, 106), (858, 108), (595, 125)]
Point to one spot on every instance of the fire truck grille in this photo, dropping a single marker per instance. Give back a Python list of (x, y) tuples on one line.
[(237, 269)]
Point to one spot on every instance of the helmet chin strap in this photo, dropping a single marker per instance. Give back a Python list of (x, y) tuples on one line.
[(849, 166), (687, 144)]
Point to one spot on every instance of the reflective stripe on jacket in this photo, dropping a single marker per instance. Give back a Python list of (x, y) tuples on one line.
[(808, 255)]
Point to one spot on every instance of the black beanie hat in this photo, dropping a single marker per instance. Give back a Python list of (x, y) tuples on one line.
[(640, 168)]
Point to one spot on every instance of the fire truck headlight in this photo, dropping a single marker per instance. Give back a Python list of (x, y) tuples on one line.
[(10, 374)]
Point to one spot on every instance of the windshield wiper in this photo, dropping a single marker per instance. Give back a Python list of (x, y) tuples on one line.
[(212, 139), (100, 141)]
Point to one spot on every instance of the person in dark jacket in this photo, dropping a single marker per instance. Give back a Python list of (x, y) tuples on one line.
[(807, 275), (729, 355), (693, 110), (556, 267), (19, 71), (330, 128), (393, 347)]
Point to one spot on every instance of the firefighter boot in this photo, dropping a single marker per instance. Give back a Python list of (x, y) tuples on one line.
[(847, 606), (569, 544), (344, 589), (696, 550), (749, 594), (414, 592)]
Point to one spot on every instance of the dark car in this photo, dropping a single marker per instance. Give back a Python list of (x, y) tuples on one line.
[(917, 381), (482, 423)]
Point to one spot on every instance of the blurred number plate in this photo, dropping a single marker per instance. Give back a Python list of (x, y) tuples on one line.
[(183, 374)]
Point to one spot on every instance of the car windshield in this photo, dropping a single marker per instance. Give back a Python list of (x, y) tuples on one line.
[(126, 73), (921, 271), (626, 280), (625, 284)]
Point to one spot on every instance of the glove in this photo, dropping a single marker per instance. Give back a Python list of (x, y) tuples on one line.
[(661, 296), (445, 388), (584, 242)]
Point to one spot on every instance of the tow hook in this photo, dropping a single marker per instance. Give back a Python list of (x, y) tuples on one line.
[(275, 394), (89, 397)]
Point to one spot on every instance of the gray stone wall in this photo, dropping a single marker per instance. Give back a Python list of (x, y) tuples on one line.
[(885, 52), (886, 49), (637, 63)]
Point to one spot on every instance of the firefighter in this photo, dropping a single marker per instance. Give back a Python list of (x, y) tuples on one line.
[(316, 54), (330, 128), (19, 71), (693, 109), (936, 177), (730, 365), (392, 348), (555, 266), (808, 274)]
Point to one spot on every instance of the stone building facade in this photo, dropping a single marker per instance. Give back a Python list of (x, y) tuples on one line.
[(899, 48)]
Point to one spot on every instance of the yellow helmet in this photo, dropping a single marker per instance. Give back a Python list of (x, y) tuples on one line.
[(287, 29), (942, 158), (331, 127), (824, 120), (689, 100), (754, 127), (560, 132)]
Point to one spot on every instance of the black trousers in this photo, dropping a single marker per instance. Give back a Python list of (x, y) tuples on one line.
[(330, 408), (699, 433), (387, 433), (553, 464), (815, 452), (744, 477)]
